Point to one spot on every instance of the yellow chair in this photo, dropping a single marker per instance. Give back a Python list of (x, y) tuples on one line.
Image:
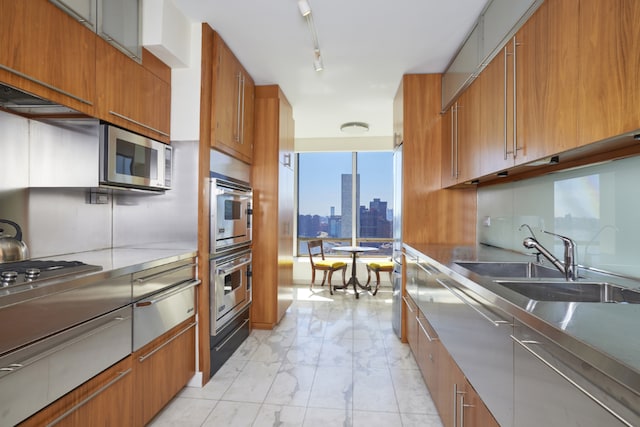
[(377, 267), (326, 266)]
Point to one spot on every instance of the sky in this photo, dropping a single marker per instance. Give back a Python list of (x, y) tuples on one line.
[(320, 180)]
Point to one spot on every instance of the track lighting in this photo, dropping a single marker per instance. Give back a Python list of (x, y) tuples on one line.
[(304, 7), (305, 11), (317, 61)]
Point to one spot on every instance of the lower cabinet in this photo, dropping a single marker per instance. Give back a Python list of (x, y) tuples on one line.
[(550, 390), (458, 403), (162, 368), (105, 400)]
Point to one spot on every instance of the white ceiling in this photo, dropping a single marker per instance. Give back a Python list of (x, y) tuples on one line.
[(366, 45)]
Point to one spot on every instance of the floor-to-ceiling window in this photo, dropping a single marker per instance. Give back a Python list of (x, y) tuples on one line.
[(342, 210)]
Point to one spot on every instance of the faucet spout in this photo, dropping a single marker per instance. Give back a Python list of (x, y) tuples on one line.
[(569, 268)]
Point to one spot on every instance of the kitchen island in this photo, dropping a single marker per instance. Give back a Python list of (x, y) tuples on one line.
[(491, 331)]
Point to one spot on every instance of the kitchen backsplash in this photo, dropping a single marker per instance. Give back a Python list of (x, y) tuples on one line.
[(596, 206), (58, 218)]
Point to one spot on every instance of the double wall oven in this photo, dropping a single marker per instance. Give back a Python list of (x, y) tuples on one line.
[(229, 266)]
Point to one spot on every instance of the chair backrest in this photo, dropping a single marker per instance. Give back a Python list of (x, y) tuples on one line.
[(312, 246)]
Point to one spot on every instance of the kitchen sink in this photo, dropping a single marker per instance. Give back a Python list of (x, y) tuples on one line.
[(573, 291), (511, 269)]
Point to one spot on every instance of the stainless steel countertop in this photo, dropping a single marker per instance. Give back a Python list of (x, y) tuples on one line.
[(604, 335), (115, 262), (125, 260)]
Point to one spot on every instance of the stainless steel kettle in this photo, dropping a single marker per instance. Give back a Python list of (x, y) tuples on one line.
[(12, 248)]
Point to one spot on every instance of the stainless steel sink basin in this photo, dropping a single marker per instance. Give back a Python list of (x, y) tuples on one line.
[(511, 269), (573, 291)]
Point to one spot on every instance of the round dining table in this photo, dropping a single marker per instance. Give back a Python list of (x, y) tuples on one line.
[(355, 250)]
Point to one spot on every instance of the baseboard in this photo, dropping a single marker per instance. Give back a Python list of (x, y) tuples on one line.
[(196, 380)]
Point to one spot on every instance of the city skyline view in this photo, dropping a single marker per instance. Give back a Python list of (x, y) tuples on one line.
[(326, 206), (320, 180)]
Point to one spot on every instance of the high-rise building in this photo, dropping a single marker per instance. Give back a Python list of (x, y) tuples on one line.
[(346, 208)]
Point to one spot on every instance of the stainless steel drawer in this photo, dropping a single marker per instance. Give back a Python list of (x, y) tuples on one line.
[(162, 311), (152, 280), (46, 370)]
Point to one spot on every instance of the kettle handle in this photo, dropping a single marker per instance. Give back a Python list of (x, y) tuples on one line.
[(14, 225)]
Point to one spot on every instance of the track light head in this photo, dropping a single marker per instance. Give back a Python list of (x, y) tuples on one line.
[(304, 7)]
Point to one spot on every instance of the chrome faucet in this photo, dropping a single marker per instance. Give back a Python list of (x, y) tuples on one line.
[(570, 267)]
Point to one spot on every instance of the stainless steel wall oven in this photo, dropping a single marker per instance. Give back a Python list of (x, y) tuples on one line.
[(229, 287), (231, 211), (230, 266)]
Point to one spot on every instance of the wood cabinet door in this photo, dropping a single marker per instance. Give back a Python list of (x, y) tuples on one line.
[(162, 368), (105, 400), (46, 52), (130, 95), (468, 124), (225, 94), (411, 322), (495, 122), (609, 88), (428, 350), (547, 80), (449, 148), (233, 104), (248, 104)]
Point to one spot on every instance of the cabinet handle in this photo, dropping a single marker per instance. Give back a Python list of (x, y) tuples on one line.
[(455, 405), (155, 350), (238, 104), (90, 397), (457, 172), (506, 53), (219, 346), (141, 280), (47, 85), (429, 337), (170, 293), (135, 122), (515, 100), (464, 300), (523, 344), (453, 171), (406, 302), (463, 406), (242, 112)]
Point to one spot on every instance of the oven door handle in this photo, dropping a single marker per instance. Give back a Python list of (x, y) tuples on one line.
[(226, 191), (234, 267), (169, 293)]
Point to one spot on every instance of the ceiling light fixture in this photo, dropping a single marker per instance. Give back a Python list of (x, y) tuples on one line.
[(317, 61), (354, 128), (305, 11), (304, 7)]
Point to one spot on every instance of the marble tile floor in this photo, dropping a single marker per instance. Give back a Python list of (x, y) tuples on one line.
[(332, 361)]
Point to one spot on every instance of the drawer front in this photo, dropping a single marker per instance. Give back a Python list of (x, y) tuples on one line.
[(50, 368), (152, 280), (159, 313)]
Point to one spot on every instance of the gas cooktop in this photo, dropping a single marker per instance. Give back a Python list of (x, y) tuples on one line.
[(34, 272)]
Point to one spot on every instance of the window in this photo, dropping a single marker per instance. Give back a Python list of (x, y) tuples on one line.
[(333, 207)]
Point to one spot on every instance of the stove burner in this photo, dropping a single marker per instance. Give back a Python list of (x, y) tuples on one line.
[(21, 267), (34, 272)]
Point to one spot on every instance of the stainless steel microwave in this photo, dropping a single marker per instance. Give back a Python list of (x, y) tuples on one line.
[(130, 160)]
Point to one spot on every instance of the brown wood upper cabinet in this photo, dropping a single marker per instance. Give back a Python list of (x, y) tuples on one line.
[(609, 89), (131, 95), (461, 130), (47, 53), (527, 96), (233, 104)]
